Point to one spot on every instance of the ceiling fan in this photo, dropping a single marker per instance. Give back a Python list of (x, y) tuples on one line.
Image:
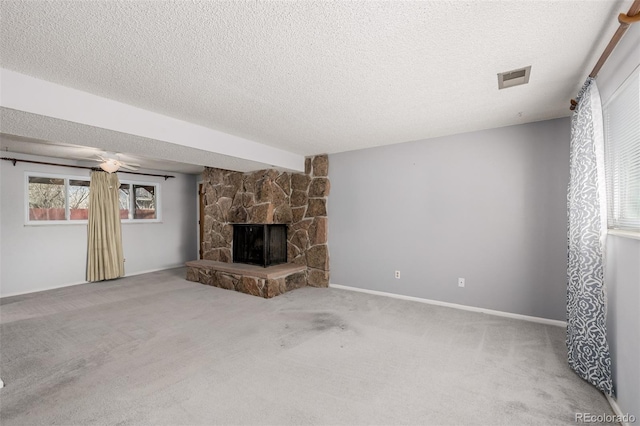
[(110, 162)]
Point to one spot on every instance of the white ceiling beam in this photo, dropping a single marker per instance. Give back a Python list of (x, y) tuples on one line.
[(29, 94)]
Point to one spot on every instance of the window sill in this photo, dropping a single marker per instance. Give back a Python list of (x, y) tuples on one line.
[(624, 233), (140, 221), (38, 225), (85, 222)]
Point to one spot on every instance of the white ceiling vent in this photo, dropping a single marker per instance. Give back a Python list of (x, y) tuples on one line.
[(514, 77)]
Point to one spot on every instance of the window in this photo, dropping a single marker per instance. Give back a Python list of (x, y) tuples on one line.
[(138, 201), (47, 198), (65, 199), (622, 155), (79, 199), (125, 201)]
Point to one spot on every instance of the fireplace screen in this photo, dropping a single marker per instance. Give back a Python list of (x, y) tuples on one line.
[(259, 244)]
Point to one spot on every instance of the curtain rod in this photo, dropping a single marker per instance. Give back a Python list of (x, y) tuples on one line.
[(625, 21), (16, 160)]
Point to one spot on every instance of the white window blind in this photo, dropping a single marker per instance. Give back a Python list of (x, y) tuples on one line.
[(622, 155)]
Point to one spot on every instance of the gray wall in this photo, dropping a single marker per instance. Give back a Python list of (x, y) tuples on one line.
[(489, 206), (41, 257), (623, 258), (623, 319)]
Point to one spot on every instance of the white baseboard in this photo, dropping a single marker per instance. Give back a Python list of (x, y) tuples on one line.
[(616, 409), (539, 320), (148, 271), (53, 287), (86, 282)]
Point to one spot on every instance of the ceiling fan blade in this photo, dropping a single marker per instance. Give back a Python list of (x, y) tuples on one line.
[(108, 157), (128, 166)]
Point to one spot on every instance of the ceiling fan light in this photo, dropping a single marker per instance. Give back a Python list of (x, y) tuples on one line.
[(109, 166)]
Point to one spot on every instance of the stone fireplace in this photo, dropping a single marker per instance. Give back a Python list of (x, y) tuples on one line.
[(297, 200)]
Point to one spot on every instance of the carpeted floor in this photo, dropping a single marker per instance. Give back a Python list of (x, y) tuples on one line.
[(156, 349)]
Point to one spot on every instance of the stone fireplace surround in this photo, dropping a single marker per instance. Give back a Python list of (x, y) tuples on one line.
[(266, 196)]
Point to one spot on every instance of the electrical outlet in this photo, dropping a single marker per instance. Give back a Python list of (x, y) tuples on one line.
[(397, 275), (460, 282)]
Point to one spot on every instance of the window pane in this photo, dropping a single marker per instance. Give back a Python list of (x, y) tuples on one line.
[(78, 199), (145, 201), (46, 198), (125, 201)]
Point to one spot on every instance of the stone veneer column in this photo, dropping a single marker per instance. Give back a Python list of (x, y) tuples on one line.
[(220, 188), (269, 196), (308, 233)]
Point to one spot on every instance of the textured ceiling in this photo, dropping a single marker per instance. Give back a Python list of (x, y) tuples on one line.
[(315, 77)]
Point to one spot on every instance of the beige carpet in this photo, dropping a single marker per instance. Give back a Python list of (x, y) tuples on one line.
[(159, 350)]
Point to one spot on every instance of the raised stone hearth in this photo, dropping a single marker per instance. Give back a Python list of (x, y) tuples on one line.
[(250, 279)]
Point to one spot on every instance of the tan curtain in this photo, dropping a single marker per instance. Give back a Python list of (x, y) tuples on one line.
[(105, 257)]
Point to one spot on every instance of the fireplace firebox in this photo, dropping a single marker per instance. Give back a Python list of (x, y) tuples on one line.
[(260, 244)]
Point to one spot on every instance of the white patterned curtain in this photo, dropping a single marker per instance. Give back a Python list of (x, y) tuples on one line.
[(588, 350), (105, 259)]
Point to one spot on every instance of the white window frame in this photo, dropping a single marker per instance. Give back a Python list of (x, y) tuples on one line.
[(157, 187), (68, 220), (67, 214)]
